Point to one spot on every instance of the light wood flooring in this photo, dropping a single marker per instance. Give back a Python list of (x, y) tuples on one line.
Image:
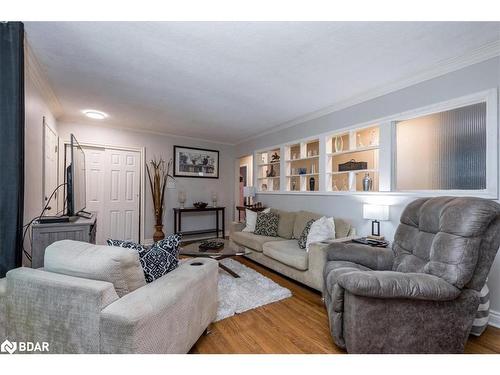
[(295, 325)]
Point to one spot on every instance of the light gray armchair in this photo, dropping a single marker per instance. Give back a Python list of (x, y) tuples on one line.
[(421, 296), (94, 299)]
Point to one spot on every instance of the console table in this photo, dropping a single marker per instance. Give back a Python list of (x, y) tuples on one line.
[(219, 229)]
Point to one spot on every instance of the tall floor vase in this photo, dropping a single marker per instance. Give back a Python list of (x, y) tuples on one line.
[(158, 235)]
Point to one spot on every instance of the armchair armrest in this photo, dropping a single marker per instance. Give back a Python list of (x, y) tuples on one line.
[(64, 310), (236, 226), (376, 258), (389, 284), (165, 316)]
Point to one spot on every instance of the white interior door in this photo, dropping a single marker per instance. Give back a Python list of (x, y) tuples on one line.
[(50, 162), (94, 165), (113, 188)]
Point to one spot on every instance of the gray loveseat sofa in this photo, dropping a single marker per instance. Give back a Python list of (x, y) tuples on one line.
[(283, 254), (422, 296), (94, 299)]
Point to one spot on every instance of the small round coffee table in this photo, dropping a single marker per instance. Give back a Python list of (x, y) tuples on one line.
[(229, 250)]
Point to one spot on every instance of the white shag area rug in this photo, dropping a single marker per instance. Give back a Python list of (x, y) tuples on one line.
[(249, 291)]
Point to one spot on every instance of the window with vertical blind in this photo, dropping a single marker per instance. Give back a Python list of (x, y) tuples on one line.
[(443, 151)]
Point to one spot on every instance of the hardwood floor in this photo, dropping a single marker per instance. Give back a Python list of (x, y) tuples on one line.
[(295, 325)]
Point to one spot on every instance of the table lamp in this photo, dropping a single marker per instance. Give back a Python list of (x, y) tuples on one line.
[(248, 193), (376, 213)]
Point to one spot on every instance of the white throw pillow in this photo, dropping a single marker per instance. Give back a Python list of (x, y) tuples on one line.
[(251, 219), (321, 230)]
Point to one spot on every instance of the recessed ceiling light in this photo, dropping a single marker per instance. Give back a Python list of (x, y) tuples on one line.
[(96, 115)]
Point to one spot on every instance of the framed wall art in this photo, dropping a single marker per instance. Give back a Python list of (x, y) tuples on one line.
[(196, 162)]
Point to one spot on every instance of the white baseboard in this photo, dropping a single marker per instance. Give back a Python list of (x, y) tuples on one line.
[(494, 319)]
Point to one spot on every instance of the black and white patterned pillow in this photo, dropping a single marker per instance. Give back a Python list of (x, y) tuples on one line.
[(129, 245), (267, 224), (303, 237), (156, 260)]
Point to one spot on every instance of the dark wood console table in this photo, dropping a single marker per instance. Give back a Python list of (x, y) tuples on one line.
[(219, 229)]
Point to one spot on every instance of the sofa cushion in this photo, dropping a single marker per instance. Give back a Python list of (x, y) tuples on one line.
[(301, 219), (267, 224), (285, 225), (117, 265), (321, 230), (302, 241), (251, 219), (342, 228), (252, 241), (287, 252)]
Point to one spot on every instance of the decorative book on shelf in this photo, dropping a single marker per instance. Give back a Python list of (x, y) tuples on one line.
[(353, 165)]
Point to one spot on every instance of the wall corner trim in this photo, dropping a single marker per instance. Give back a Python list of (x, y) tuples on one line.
[(35, 72)]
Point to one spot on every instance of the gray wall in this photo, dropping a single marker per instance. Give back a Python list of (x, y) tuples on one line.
[(35, 109), (197, 189), (475, 78)]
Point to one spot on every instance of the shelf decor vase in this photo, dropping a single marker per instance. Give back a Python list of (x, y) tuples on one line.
[(367, 182), (338, 144), (312, 183)]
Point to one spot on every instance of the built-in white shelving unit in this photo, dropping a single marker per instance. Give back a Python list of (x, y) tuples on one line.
[(357, 146), (302, 166), (268, 170), (312, 165)]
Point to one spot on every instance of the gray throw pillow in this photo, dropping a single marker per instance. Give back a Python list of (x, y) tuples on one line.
[(267, 224), (303, 237)]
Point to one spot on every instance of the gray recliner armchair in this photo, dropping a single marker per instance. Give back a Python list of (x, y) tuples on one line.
[(421, 296)]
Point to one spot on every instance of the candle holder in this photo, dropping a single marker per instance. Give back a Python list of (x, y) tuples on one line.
[(181, 198)]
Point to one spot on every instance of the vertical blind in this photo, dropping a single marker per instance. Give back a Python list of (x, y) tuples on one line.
[(442, 151)]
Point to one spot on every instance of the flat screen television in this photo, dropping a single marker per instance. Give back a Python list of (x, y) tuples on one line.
[(75, 179)]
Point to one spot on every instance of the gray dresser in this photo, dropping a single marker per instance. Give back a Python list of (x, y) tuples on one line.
[(44, 234)]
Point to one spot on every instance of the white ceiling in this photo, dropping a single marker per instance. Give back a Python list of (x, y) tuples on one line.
[(227, 81)]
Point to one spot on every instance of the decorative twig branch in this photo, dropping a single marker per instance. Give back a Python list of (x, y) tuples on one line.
[(158, 174)]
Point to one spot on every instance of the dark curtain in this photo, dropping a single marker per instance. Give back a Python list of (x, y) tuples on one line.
[(11, 144)]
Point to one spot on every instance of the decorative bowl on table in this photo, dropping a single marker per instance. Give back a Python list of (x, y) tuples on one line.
[(200, 204), (211, 245)]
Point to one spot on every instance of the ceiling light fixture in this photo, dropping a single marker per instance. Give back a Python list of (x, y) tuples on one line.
[(96, 115)]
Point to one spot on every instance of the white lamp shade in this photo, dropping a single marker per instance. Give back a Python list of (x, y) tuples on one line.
[(375, 212), (249, 191)]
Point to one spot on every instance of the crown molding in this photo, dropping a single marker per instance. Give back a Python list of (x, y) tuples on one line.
[(483, 53), (77, 121), (34, 71)]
